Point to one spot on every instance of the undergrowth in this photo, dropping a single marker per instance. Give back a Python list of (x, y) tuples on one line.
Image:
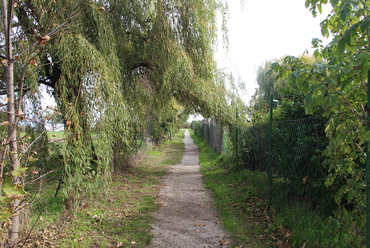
[(242, 197), (116, 215)]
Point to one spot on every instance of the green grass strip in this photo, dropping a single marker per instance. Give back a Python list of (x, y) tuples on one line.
[(119, 215), (234, 197)]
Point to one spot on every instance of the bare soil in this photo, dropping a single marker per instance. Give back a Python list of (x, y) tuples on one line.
[(186, 217)]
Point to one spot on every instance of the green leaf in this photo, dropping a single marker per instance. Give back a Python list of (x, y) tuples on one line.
[(324, 29), (331, 81), (365, 64), (328, 126), (306, 87), (8, 182), (319, 100), (275, 66), (10, 191), (316, 42), (351, 193), (314, 87), (297, 73), (308, 102), (345, 12), (365, 25), (5, 214), (320, 8), (307, 3), (338, 198), (347, 36), (365, 138), (13, 191), (362, 96), (32, 159), (340, 93), (4, 200), (356, 62), (355, 27), (317, 54), (19, 171), (334, 100), (334, 3), (341, 45)]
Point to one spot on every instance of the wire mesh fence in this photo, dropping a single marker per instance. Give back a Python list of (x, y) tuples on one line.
[(291, 158), (212, 133), (296, 152), (296, 166)]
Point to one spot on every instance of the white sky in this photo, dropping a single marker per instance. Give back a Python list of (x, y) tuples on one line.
[(264, 30)]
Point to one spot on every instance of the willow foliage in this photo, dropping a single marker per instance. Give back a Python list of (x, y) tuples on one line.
[(166, 51), (118, 70)]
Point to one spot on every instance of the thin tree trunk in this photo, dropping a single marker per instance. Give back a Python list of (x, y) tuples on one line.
[(13, 147), (6, 20)]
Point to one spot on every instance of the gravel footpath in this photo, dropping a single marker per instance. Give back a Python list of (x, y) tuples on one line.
[(186, 217)]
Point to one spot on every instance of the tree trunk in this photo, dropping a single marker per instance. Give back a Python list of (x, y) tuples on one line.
[(6, 21), (12, 148)]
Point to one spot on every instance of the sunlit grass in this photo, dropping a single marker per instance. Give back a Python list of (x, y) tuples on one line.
[(231, 196), (117, 215), (56, 134)]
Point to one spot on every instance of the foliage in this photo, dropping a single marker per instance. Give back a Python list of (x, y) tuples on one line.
[(337, 83), (117, 70), (268, 84)]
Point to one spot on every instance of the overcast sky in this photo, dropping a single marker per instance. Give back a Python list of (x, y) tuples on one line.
[(264, 30)]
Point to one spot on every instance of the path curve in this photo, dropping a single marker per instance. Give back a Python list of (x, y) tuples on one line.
[(186, 217)]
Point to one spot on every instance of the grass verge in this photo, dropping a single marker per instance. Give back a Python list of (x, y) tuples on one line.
[(56, 134), (236, 200), (117, 216), (241, 197)]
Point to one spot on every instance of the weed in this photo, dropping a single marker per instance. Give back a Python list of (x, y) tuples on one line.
[(116, 215), (155, 153)]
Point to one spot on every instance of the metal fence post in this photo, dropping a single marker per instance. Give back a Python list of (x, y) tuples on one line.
[(368, 166), (211, 135), (236, 140), (270, 147)]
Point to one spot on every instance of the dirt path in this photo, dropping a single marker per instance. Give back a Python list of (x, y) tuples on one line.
[(186, 217)]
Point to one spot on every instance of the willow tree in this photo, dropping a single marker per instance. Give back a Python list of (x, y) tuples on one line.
[(123, 65), (166, 50), (21, 44), (80, 65), (112, 67)]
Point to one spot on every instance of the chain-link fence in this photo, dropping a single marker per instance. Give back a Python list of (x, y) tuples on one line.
[(212, 133), (290, 155)]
